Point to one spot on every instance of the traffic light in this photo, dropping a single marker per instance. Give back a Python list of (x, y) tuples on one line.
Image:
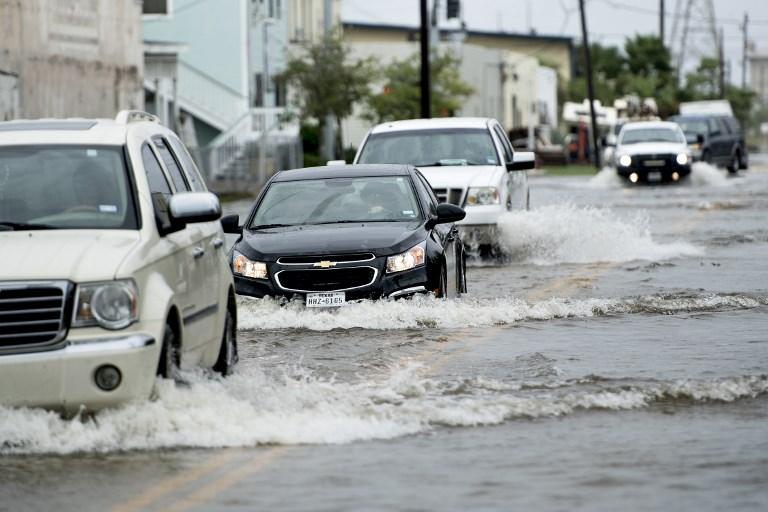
[(453, 9)]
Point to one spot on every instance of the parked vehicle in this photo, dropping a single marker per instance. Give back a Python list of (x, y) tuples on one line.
[(112, 266), (469, 162), (333, 234), (715, 139), (652, 151)]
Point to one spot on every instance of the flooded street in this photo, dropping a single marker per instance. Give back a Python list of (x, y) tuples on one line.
[(618, 355)]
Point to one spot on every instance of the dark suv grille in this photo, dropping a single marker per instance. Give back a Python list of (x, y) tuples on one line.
[(32, 314), (653, 160), (329, 280)]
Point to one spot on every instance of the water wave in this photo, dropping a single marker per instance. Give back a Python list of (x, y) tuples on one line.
[(253, 408), (566, 233), (428, 312)]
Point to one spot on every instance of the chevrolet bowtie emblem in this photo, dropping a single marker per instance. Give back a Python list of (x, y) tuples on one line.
[(325, 264)]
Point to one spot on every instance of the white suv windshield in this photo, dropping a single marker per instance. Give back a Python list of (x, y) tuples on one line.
[(637, 135), (336, 200), (64, 187), (427, 148)]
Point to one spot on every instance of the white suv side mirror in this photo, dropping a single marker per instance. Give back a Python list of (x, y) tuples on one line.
[(523, 160), (190, 207)]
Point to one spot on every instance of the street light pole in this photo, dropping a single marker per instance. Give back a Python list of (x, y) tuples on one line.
[(328, 124), (590, 90), (425, 85)]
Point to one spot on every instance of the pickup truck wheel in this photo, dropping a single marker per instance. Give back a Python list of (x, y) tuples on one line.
[(733, 167), (706, 157), (225, 364), (168, 366)]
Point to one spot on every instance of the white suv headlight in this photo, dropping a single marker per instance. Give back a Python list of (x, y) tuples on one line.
[(682, 158), (242, 266), (407, 260), (482, 196), (110, 304), (625, 160)]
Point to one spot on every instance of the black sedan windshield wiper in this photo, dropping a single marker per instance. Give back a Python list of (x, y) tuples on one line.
[(23, 226)]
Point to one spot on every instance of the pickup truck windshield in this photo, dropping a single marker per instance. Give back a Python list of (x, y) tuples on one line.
[(64, 187), (651, 135), (428, 148)]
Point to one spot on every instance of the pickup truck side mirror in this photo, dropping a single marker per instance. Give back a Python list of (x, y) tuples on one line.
[(700, 138), (231, 224), (190, 207), (522, 160)]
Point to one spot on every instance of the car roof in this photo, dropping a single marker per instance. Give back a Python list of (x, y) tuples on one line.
[(650, 124), (432, 124), (63, 131), (343, 171)]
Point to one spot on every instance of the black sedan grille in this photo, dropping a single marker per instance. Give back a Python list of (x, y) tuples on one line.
[(32, 314), (336, 258), (325, 280)]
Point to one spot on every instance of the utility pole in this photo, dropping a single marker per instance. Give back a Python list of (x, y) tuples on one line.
[(661, 21), (744, 52), (721, 59), (590, 90), (328, 125), (424, 40)]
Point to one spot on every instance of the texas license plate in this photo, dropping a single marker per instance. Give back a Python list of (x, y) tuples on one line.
[(326, 300), (654, 176), (654, 163)]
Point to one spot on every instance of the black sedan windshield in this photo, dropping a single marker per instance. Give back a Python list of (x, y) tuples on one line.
[(337, 200), (64, 187), (427, 148)]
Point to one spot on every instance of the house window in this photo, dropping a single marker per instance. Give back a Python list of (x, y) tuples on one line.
[(157, 7)]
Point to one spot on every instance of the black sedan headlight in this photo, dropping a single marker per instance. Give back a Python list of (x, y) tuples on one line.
[(412, 258), (242, 266)]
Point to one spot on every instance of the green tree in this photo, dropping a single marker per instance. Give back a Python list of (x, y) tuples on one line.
[(327, 80), (400, 95)]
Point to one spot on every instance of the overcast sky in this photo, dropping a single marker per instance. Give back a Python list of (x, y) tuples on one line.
[(609, 21)]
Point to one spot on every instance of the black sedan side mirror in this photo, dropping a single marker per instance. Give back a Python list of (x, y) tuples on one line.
[(522, 160), (231, 224), (446, 213)]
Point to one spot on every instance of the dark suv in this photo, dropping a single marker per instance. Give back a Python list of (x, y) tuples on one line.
[(715, 139)]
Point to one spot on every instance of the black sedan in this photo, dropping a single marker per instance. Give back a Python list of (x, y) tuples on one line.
[(333, 234)]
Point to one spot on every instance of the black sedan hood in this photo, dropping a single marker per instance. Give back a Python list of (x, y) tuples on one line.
[(380, 238)]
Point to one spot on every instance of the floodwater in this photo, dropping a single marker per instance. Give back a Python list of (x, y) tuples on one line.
[(616, 359)]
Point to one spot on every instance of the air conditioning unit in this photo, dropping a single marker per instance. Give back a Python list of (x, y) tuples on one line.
[(157, 7)]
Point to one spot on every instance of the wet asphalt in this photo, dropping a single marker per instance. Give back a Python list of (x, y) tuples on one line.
[(615, 358)]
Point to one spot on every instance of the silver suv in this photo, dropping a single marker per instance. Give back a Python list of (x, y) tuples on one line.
[(112, 263)]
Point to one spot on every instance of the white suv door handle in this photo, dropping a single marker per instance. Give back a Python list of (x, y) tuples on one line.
[(198, 252), (218, 243)]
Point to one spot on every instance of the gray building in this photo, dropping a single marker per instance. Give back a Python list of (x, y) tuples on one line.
[(70, 58)]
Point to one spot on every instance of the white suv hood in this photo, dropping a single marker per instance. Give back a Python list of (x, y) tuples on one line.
[(77, 255), (463, 176)]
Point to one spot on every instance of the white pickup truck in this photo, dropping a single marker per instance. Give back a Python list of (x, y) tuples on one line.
[(468, 162)]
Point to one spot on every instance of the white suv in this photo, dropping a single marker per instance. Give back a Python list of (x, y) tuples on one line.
[(112, 263), (468, 162)]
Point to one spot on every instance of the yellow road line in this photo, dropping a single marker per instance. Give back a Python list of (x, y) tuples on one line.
[(173, 484), (227, 480)]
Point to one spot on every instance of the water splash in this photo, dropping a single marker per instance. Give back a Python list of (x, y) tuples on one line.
[(253, 408), (565, 233)]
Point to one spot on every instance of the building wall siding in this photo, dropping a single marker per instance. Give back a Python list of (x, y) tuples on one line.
[(72, 57)]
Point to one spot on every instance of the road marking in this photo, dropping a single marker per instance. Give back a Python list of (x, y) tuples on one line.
[(236, 474), (173, 484)]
